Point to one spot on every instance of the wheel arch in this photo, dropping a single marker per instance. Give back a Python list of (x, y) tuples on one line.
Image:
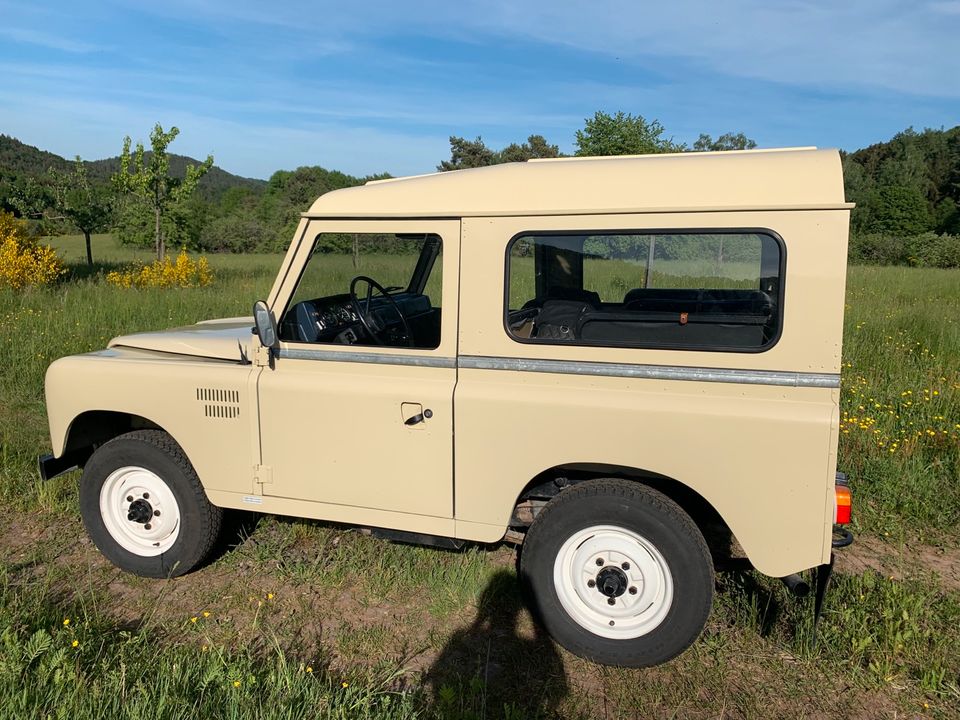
[(92, 428), (550, 482)]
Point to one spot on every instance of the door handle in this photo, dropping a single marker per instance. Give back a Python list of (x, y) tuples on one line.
[(419, 417)]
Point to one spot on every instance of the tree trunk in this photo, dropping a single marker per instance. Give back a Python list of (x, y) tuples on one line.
[(356, 251), (157, 238), (86, 235)]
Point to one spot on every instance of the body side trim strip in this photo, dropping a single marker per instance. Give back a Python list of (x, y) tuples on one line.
[(366, 357), (569, 367), (653, 372)]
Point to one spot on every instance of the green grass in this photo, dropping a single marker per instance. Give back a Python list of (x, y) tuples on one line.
[(416, 632), (900, 402)]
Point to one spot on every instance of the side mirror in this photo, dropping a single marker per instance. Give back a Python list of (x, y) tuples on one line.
[(264, 324)]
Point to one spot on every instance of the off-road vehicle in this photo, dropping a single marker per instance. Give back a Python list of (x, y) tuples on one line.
[(594, 357)]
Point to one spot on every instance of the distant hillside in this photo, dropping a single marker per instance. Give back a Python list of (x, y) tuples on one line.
[(19, 159)]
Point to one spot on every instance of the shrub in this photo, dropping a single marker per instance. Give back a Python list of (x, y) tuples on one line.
[(932, 250), (926, 250), (22, 261), (182, 272)]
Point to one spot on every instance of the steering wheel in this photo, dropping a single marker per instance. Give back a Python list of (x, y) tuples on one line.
[(374, 326)]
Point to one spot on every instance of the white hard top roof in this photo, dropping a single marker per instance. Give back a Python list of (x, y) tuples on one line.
[(790, 178)]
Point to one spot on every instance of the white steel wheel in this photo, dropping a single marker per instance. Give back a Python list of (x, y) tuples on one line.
[(139, 511), (144, 506), (617, 573), (613, 582)]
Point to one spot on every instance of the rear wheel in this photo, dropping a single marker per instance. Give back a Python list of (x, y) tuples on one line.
[(618, 573), (144, 507)]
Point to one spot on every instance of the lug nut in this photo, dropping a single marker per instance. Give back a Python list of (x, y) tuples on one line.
[(129, 498), (612, 623), (611, 601), (626, 566), (633, 591), (146, 496), (156, 513), (591, 583), (146, 526), (600, 562)]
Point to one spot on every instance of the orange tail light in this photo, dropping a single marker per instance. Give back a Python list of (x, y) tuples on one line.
[(844, 501)]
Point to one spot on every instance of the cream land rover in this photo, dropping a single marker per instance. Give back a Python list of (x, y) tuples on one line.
[(593, 357)]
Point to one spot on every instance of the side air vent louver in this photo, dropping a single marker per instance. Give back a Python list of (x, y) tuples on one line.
[(219, 403)]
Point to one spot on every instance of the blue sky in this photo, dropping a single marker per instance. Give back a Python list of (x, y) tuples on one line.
[(368, 87)]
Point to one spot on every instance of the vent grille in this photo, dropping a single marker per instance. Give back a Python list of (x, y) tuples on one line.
[(219, 403)]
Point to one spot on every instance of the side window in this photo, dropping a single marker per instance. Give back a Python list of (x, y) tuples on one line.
[(704, 291), (371, 289)]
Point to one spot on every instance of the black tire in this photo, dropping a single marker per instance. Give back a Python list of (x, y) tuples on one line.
[(199, 521), (638, 509)]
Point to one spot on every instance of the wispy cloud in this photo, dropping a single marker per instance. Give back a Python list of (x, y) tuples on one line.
[(381, 85), (48, 40), (948, 7)]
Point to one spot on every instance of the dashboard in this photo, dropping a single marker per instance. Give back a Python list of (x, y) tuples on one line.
[(333, 319)]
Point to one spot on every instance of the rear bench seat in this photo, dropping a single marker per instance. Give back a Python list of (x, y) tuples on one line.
[(721, 318)]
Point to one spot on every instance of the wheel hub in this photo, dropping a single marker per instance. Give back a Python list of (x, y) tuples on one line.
[(140, 511), (611, 581)]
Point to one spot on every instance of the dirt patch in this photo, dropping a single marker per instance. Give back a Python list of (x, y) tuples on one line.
[(901, 561)]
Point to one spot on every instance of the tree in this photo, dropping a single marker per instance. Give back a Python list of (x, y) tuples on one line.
[(475, 153), (536, 147), (727, 141), (150, 183), (897, 210), (623, 134), (88, 207), (467, 154)]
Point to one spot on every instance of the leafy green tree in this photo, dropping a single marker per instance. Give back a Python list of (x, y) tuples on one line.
[(536, 147), (899, 210), (31, 197), (727, 141), (623, 134), (467, 154), (150, 183), (87, 207)]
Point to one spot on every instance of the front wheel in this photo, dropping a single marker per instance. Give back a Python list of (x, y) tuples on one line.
[(618, 573), (144, 507)]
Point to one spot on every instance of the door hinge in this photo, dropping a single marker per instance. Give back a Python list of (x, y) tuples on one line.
[(262, 355), (263, 474)]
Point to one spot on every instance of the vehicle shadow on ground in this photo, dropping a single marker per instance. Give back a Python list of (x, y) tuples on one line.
[(502, 664)]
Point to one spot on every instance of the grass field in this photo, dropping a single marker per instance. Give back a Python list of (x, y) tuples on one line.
[(302, 619)]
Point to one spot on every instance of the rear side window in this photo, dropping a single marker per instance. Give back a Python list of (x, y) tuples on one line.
[(698, 291)]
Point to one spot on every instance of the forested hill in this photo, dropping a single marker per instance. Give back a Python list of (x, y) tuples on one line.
[(17, 159), (907, 190), (908, 185)]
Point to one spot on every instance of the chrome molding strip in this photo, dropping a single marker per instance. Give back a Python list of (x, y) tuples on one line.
[(569, 367), (367, 357), (652, 372)]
